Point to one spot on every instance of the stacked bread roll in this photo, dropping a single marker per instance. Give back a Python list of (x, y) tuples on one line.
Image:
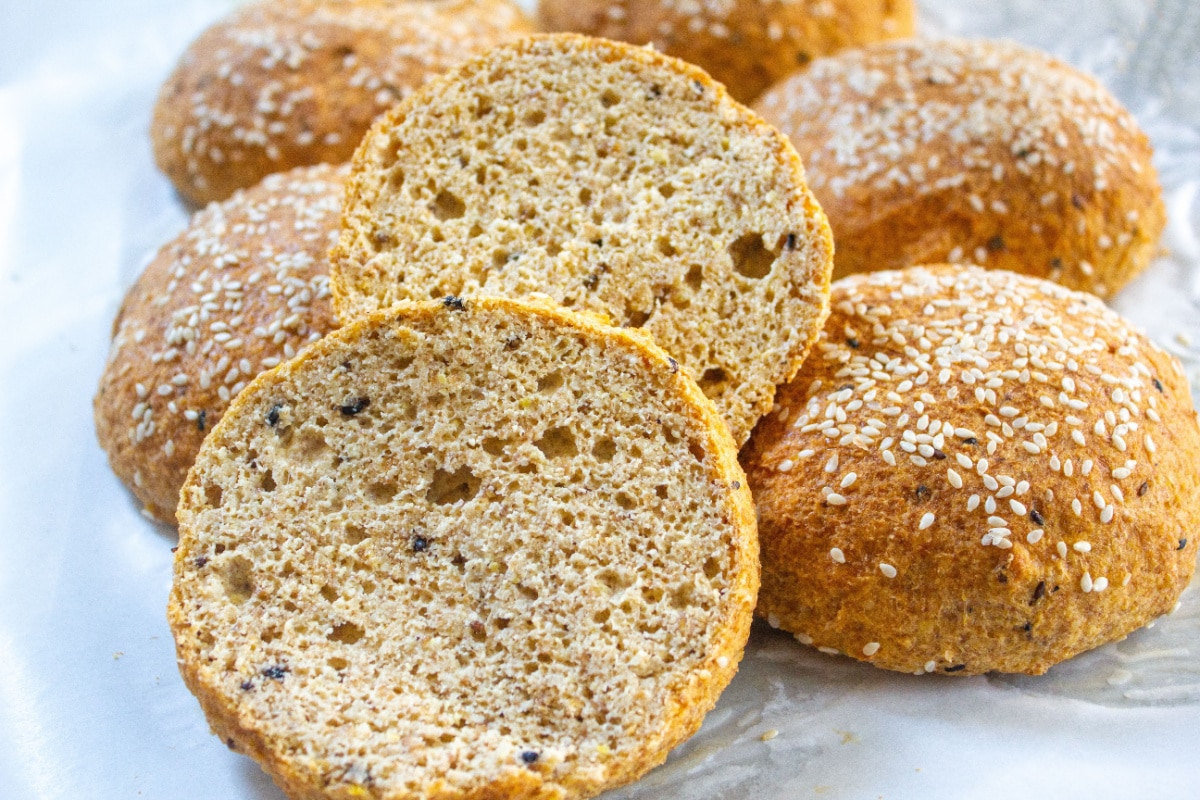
[(491, 536)]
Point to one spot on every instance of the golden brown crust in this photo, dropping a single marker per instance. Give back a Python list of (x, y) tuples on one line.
[(613, 179), (278, 714), (978, 152), (285, 83), (244, 287), (747, 45), (1011, 476)]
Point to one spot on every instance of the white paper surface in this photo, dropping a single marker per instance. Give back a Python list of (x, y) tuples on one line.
[(91, 704)]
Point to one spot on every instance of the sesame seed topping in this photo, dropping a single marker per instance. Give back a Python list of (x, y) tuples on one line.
[(926, 521), (870, 649), (1034, 536), (1086, 583), (888, 570), (835, 499), (837, 555), (1061, 547)]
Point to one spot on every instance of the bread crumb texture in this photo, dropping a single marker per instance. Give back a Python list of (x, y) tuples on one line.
[(746, 44), (243, 288), (978, 152), (611, 178), (284, 83), (975, 471), (467, 548)]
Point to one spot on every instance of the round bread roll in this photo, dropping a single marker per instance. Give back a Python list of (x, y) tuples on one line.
[(243, 288), (975, 471), (613, 179), (746, 44), (468, 548), (279, 84), (973, 152)]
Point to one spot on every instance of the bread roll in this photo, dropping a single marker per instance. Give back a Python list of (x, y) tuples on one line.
[(285, 83), (467, 548), (746, 44), (980, 152), (975, 471), (243, 288), (611, 178)]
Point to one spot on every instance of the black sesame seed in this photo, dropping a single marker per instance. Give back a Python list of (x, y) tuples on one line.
[(247, 685), (852, 343), (956, 668), (791, 241), (420, 544), (201, 419), (655, 91), (674, 365), (1036, 517), (1056, 264), (1182, 544), (970, 440), (1027, 627), (923, 493), (995, 244), (1038, 592), (201, 562), (273, 414), (738, 485), (698, 86), (276, 672), (938, 454), (1158, 385), (1145, 487), (355, 406), (456, 303), (382, 238), (529, 757)]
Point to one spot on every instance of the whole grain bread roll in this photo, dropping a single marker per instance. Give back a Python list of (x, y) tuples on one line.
[(975, 471), (243, 288), (613, 179), (279, 84), (746, 44), (467, 548), (973, 151)]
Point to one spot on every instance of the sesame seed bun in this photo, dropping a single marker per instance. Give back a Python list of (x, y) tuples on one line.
[(475, 548), (978, 152), (279, 84), (746, 44), (242, 288), (975, 471)]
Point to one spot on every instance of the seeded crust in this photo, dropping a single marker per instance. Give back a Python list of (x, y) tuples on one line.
[(746, 44), (978, 152), (950, 390), (244, 287), (468, 548), (279, 84), (611, 178)]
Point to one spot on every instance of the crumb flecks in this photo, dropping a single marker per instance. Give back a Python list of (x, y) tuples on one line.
[(1009, 523)]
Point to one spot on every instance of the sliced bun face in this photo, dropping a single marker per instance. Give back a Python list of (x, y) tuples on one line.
[(464, 548), (975, 471), (244, 287), (279, 84), (611, 178), (974, 151)]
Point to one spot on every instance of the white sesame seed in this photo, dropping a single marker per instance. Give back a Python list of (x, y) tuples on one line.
[(1121, 473), (832, 465), (963, 461), (1077, 507), (837, 555), (1034, 536), (1018, 507), (989, 505), (835, 499), (954, 479), (888, 570), (786, 465), (1085, 583), (870, 649), (849, 480), (926, 521), (1098, 499), (1100, 584), (889, 457), (1106, 516), (973, 502), (1082, 547)]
